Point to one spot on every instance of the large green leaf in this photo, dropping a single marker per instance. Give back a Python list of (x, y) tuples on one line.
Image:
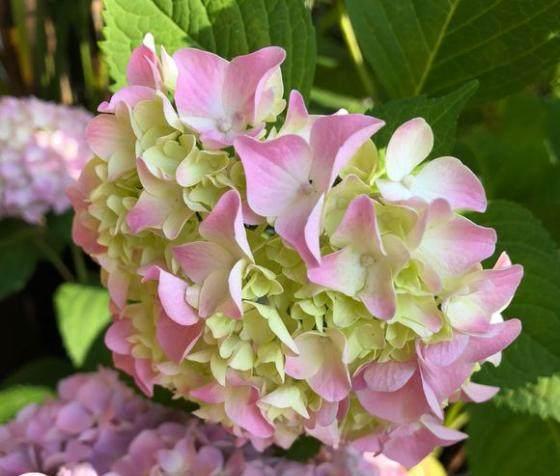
[(226, 27), (433, 46), (516, 154), (82, 314), (441, 113), (504, 443), (536, 353), (13, 399)]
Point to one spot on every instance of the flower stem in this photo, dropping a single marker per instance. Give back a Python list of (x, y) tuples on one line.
[(55, 260), (354, 49), (79, 264)]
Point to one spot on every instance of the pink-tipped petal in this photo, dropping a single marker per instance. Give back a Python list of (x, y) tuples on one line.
[(496, 339), (200, 259), (409, 145), (141, 69), (241, 408), (449, 178), (245, 81), (224, 225), (199, 84), (475, 392), (172, 293), (378, 294), (176, 340), (388, 376), (334, 140), (276, 172)]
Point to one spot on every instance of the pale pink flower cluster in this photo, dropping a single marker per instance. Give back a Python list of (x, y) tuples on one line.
[(42, 151), (289, 279), (97, 426)]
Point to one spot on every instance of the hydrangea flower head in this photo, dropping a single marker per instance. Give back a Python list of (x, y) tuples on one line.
[(42, 151), (291, 279)]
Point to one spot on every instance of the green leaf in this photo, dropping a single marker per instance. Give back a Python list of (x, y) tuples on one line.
[(503, 443), (536, 353), (226, 27), (517, 158), (18, 256), (13, 399), (82, 314), (441, 113), (434, 46)]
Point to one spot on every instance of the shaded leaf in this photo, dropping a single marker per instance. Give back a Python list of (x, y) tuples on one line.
[(441, 113), (502, 442), (434, 46), (536, 353)]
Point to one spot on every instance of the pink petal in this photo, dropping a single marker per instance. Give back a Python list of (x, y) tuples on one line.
[(215, 293), (211, 393), (452, 247), (224, 225), (332, 382), (388, 376), (128, 96), (310, 358), (379, 294), (73, 418), (475, 392), (409, 145), (172, 293), (141, 69), (301, 227), (407, 403), (334, 140), (199, 84), (148, 212), (241, 408), (444, 353), (340, 271), (176, 340), (411, 443), (449, 178), (497, 338), (245, 81), (116, 337), (200, 259), (297, 120), (359, 227), (276, 172)]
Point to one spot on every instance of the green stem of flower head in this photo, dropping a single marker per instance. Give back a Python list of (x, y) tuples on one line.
[(354, 49), (456, 419), (53, 258), (79, 264)]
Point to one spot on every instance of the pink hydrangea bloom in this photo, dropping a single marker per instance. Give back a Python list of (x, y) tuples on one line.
[(301, 282), (42, 152)]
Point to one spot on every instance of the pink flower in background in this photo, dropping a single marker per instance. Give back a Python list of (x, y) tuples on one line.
[(93, 420), (42, 152)]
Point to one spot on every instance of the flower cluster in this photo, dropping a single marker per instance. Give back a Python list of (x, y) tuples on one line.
[(42, 151), (94, 419), (97, 426), (289, 278)]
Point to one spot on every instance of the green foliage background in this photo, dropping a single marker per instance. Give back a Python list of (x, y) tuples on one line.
[(484, 73)]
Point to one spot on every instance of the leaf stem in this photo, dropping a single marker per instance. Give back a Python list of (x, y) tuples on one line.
[(354, 49), (55, 260), (79, 264)]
